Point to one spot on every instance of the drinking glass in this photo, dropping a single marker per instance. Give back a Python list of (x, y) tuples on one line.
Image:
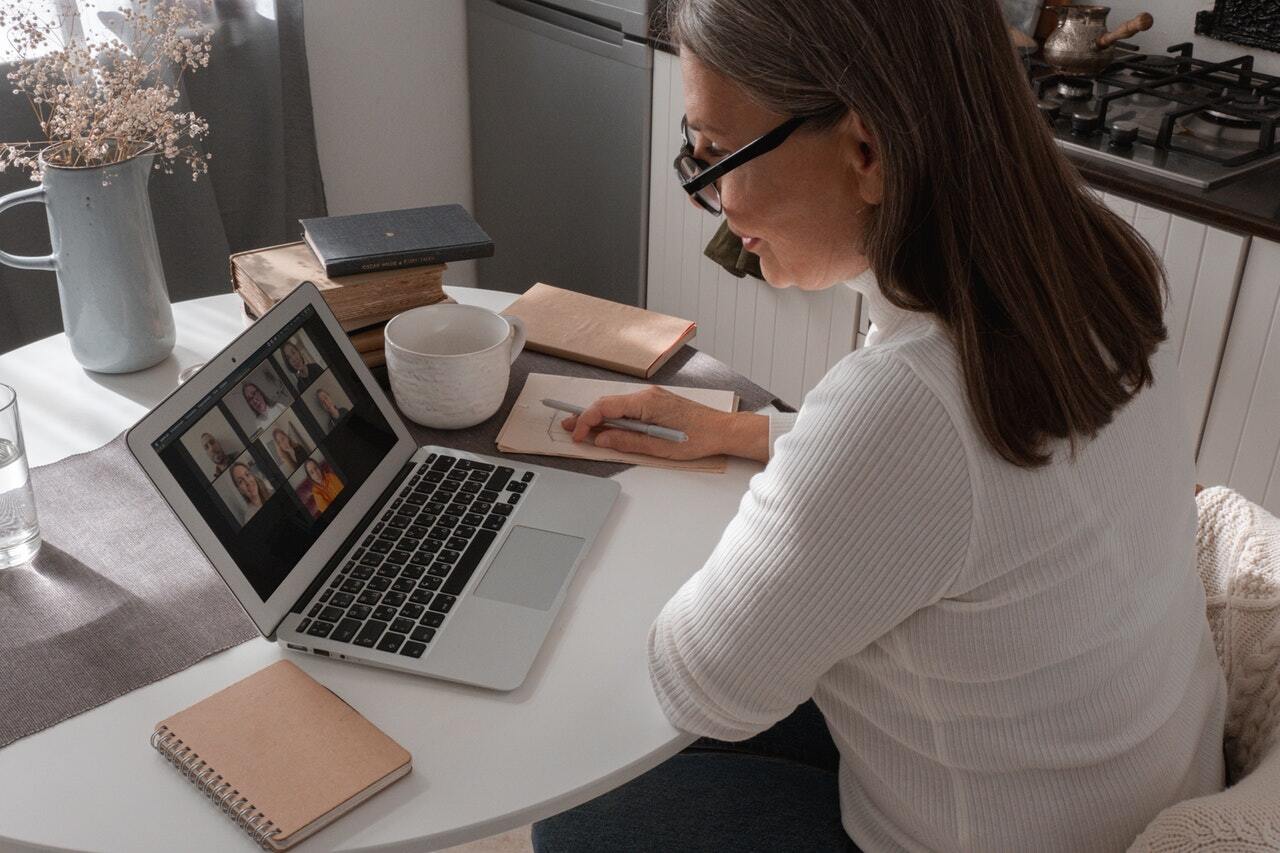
[(19, 530)]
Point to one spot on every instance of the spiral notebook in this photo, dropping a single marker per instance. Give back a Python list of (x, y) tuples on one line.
[(281, 754)]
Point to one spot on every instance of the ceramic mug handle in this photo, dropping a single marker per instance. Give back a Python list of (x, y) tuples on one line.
[(517, 329), (35, 195)]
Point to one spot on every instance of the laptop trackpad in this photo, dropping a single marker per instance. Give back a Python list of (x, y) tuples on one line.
[(530, 568)]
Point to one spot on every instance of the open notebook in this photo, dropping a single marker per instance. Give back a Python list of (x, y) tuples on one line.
[(533, 428), (281, 754)]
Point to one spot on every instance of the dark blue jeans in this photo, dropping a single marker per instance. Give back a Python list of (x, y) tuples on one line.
[(774, 792)]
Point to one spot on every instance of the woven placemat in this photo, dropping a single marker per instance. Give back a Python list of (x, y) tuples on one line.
[(120, 596)]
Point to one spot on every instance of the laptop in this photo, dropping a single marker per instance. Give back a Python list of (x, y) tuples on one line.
[(338, 534)]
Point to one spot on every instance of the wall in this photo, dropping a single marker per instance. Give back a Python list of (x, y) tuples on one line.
[(389, 89), (1175, 21)]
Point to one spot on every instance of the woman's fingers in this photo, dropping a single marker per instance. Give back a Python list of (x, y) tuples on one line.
[(618, 406), (634, 442)]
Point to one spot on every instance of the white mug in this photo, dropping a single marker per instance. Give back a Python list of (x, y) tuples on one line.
[(450, 364)]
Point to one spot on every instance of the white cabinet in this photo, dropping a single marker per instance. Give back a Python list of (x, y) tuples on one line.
[(784, 340), (1241, 446), (1202, 265)]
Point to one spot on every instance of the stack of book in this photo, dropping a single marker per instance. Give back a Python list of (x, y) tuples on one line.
[(369, 267)]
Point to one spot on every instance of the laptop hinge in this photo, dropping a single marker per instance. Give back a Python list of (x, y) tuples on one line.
[(350, 541)]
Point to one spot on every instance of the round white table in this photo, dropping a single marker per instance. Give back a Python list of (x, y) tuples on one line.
[(585, 720)]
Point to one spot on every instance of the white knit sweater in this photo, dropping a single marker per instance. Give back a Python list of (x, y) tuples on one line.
[(1007, 658)]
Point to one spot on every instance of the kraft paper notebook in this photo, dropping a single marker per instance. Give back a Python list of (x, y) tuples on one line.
[(281, 754), (596, 331), (533, 428)]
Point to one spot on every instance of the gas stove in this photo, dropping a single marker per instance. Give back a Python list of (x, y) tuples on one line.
[(1198, 122)]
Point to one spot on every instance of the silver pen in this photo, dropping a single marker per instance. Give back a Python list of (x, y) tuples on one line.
[(623, 423)]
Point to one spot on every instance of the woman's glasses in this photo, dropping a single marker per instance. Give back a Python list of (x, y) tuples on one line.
[(699, 178)]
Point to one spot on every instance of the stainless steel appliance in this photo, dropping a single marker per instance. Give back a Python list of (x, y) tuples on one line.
[(560, 102), (1198, 122)]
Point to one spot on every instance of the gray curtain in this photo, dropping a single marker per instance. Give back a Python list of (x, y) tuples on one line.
[(263, 177)]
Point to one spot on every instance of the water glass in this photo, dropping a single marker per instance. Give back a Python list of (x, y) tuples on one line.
[(19, 530)]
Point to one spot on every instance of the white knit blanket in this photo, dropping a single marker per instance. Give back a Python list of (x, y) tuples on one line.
[(1238, 545)]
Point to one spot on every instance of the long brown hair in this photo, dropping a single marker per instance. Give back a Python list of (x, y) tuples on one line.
[(1054, 302)]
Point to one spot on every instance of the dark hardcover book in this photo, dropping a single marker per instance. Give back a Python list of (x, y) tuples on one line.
[(388, 239)]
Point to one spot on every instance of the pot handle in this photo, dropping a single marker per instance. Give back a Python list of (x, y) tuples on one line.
[(26, 262), (1138, 23)]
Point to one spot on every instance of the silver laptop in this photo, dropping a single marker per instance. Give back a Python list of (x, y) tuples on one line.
[(338, 534)]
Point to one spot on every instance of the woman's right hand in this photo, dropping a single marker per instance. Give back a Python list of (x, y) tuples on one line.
[(711, 432)]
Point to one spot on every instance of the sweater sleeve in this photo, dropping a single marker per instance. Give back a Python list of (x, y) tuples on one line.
[(780, 423), (861, 518)]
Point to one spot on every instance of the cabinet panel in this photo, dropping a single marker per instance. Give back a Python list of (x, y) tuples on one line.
[(1241, 445)]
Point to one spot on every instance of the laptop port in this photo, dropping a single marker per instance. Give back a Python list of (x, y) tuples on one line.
[(320, 652), (296, 648)]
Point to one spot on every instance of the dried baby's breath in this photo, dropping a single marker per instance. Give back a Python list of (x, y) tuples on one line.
[(102, 102)]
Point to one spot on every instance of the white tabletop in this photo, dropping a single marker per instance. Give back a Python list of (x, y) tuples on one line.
[(584, 721)]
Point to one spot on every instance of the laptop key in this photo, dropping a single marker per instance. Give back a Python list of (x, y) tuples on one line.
[(482, 476), (371, 559), (471, 488), (488, 495), (399, 557), (432, 619), (412, 572), (423, 634), (404, 584), (430, 546), (434, 507), (465, 530), (315, 608), (440, 569), (413, 609), (456, 475), (456, 543), (499, 478), (442, 603), (467, 564), (482, 466), (326, 595), (342, 599), (472, 518), (416, 499), (480, 507), (417, 530), (419, 598), (399, 522), (449, 486), (513, 499), (384, 613), (359, 612), (390, 642), (352, 585), (430, 582), (362, 572), (502, 509), (494, 522), (412, 649), (370, 597), (401, 625), (305, 624), (388, 570), (345, 631), (439, 533), (432, 477), (331, 614), (422, 557), (320, 629), (516, 487), (447, 556), (379, 583), (370, 633), (450, 521), (381, 546), (442, 463), (527, 478)]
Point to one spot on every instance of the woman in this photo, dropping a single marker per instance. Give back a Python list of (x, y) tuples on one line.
[(973, 546), (254, 491), (264, 411), (332, 411), (304, 372), (324, 485), (290, 452)]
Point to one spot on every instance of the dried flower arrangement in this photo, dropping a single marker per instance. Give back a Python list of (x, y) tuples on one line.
[(102, 102)]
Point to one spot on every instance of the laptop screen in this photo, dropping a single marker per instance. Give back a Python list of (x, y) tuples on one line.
[(272, 454)]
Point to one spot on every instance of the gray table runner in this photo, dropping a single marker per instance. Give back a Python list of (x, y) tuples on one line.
[(119, 595)]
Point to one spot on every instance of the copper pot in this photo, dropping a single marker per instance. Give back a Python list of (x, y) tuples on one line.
[(1081, 44)]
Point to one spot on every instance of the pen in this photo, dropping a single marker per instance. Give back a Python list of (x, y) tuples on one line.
[(623, 423)]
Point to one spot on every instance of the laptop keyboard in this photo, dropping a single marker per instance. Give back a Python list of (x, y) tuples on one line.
[(395, 591)]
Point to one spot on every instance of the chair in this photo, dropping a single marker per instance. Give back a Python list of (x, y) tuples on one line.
[(1238, 554)]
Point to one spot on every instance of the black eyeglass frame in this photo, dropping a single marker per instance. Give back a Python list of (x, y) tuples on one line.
[(708, 174)]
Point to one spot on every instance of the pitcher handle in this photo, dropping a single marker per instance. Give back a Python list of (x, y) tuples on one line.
[(518, 332), (26, 262)]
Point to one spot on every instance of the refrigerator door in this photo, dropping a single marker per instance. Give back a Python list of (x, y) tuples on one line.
[(631, 15), (560, 137)]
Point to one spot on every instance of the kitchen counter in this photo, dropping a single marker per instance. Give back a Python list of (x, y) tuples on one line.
[(1250, 205)]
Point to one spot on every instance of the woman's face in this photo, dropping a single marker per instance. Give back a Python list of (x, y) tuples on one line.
[(255, 398), (282, 441), (802, 207), (314, 472), (246, 483), (326, 403), (294, 358)]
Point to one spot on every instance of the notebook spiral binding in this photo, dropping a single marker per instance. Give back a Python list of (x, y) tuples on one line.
[(212, 785)]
